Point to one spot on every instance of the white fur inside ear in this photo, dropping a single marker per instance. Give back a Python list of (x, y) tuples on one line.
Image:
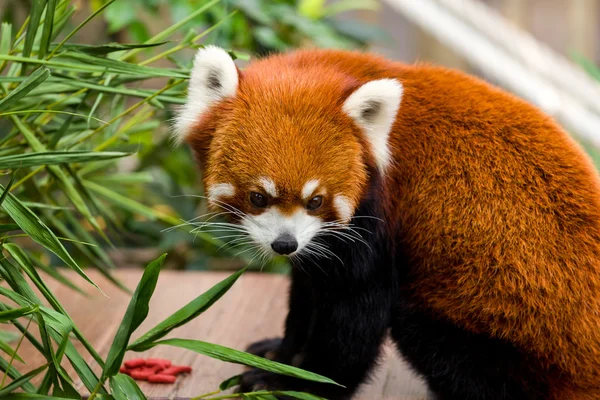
[(213, 78), (373, 106)]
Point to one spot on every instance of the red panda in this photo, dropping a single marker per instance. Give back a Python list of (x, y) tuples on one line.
[(414, 199)]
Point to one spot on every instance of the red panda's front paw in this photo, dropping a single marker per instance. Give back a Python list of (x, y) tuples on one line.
[(266, 348), (258, 380)]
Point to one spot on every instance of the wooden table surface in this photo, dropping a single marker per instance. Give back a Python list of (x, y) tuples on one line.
[(253, 309)]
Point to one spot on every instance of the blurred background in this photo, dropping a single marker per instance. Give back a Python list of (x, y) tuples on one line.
[(546, 51)]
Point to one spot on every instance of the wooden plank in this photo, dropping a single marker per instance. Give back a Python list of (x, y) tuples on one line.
[(253, 309)]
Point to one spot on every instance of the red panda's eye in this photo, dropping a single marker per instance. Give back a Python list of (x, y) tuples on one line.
[(315, 203), (258, 200)]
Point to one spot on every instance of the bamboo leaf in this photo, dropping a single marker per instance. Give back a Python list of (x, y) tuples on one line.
[(125, 388), (56, 157), (5, 37), (187, 313), (39, 232), (14, 374), (60, 176), (37, 8), (9, 315), (5, 41), (111, 65), (47, 30), (136, 313), (8, 227), (230, 382), (103, 49), (31, 396), (8, 186), (32, 81), (239, 357), (81, 25), (5, 347), (21, 381)]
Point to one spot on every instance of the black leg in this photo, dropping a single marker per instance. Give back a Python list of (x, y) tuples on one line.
[(347, 330), (287, 349), (459, 365)]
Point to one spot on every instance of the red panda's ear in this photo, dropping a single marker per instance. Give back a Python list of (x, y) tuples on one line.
[(373, 107), (214, 77)]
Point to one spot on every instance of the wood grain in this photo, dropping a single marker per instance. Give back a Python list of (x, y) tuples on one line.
[(253, 309)]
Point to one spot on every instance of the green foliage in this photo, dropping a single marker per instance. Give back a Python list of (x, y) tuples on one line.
[(594, 71), (261, 26), (73, 116)]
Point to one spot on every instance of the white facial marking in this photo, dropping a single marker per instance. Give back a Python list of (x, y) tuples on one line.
[(269, 186), (271, 224), (213, 78), (309, 188), (220, 190), (374, 106), (343, 206)]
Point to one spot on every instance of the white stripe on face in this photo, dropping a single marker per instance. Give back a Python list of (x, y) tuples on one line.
[(220, 190), (309, 188), (343, 207), (271, 224), (269, 186)]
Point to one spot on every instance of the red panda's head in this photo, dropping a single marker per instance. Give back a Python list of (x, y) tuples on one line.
[(285, 149)]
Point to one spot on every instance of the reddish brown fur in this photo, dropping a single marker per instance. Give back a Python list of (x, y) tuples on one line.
[(499, 209)]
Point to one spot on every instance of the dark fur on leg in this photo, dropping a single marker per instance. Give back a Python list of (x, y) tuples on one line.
[(459, 365)]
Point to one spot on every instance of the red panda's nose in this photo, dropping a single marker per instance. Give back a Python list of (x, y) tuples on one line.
[(285, 244)]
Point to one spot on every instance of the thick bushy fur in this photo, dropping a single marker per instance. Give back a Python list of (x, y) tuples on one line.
[(485, 254)]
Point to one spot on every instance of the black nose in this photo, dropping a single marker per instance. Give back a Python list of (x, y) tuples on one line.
[(285, 244)]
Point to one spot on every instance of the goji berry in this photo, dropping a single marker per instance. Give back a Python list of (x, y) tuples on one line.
[(176, 370), (142, 374), (125, 370), (135, 363), (150, 362), (161, 378)]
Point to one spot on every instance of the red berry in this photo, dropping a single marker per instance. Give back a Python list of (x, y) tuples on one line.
[(125, 370), (161, 378), (158, 361), (135, 363), (142, 374), (176, 370)]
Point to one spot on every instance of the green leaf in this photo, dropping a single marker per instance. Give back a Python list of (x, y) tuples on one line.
[(109, 47), (39, 232), (47, 30), (32, 81), (8, 227), (8, 186), (188, 312), (31, 396), (231, 382), (9, 336), (5, 40), (239, 357), (14, 374), (81, 25), (56, 157), (136, 313), (5, 347), (21, 381), (125, 388), (122, 67), (15, 313), (37, 8)]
